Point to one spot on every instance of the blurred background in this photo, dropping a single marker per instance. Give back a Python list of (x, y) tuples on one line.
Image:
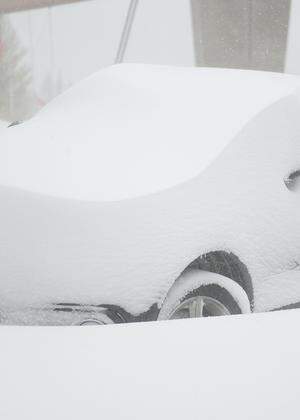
[(48, 45)]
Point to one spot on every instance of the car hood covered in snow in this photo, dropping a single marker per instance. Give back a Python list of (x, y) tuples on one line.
[(131, 130)]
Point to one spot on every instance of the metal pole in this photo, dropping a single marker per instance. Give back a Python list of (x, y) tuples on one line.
[(126, 31)]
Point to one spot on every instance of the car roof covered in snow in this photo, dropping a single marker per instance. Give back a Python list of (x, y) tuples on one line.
[(132, 130)]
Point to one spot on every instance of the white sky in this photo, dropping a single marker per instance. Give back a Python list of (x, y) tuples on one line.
[(79, 39)]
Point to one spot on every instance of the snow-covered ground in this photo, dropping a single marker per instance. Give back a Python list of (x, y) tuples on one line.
[(230, 368)]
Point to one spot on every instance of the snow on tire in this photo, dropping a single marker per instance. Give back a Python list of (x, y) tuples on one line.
[(200, 293)]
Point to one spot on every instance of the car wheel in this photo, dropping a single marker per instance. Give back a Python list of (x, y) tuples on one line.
[(203, 294)]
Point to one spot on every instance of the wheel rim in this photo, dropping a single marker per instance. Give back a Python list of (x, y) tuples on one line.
[(198, 307)]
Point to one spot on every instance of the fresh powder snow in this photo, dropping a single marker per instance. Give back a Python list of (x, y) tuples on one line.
[(238, 367)]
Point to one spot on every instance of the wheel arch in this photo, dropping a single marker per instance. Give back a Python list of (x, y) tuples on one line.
[(227, 264)]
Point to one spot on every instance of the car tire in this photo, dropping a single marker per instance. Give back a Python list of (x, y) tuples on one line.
[(200, 293)]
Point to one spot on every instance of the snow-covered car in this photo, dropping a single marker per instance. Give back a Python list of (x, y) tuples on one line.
[(151, 192)]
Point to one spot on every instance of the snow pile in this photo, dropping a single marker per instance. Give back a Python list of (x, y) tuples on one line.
[(215, 368)]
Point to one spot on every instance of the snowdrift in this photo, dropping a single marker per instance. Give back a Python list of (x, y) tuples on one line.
[(212, 368)]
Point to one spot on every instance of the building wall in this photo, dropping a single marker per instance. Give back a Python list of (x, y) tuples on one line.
[(249, 34), (293, 49)]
